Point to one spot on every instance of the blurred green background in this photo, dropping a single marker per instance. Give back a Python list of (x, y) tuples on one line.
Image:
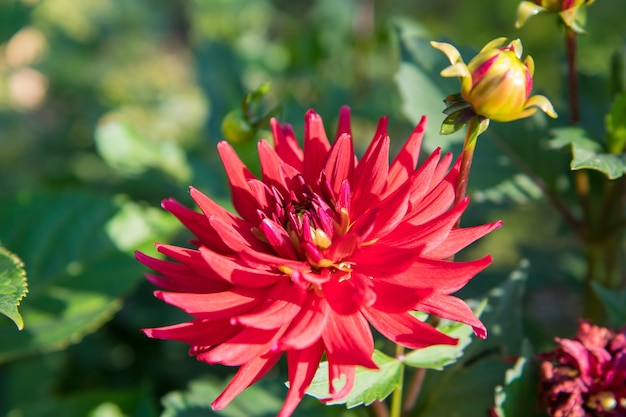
[(122, 101)]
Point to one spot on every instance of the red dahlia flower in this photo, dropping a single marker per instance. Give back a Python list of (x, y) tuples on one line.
[(586, 376), (324, 246)]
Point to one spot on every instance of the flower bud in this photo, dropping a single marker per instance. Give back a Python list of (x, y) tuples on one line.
[(496, 82), (572, 12)]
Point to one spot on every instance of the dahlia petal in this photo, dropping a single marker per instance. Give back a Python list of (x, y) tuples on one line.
[(452, 308), (238, 273), (316, 147), (428, 235), (302, 365), (421, 180), (339, 164), (578, 352), (335, 372), (404, 163), (235, 237), (307, 327), (390, 212), (270, 167), (370, 176), (210, 207), (247, 375), (243, 347), (277, 237), (435, 203), (380, 260), (342, 248), (459, 239), (179, 277), (197, 332), (265, 259), (280, 305), (196, 223), (394, 298), (347, 292), (343, 125), (244, 200), (406, 330), (189, 257), (286, 144), (214, 306), (349, 341), (445, 277)]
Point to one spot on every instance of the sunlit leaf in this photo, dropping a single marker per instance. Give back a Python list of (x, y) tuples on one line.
[(369, 384), (588, 154), (13, 286)]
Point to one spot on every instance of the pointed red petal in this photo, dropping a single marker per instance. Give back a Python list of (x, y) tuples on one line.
[(237, 272), (445, 277), (335, 372), (307, 327), (370, 176), (339, 164), (316, 147), (247, 375), (302, 367), (349, 341), (270, 167), (452, 308), (343, 126), (347, 292), (243, 347), (459, 239), (406, 330), (214, 306), (280, 305), (278, 238), (196, 332), (428, 235), (243, 198), (394, 298), (404, 164), (286, 144)]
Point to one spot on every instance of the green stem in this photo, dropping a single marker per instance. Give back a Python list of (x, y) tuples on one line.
[(473, 130), (396, 399)]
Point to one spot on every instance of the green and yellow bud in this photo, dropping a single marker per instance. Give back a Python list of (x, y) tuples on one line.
[(571, 12), (496, 82)]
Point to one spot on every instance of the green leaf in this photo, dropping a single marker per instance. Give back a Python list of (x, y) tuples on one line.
[(439, 356), (466, 388), (369, 384), (255, 401), (587, 153), (615, 303), (519, 395), (616, 125), (13, 286), (78, 267)]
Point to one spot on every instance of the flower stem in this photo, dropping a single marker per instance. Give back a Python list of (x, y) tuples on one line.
[(396, 399), (572, 75), (473, 130)]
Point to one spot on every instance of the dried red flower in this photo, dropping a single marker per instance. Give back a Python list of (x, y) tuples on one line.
[(326, 246), (586, 376)]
